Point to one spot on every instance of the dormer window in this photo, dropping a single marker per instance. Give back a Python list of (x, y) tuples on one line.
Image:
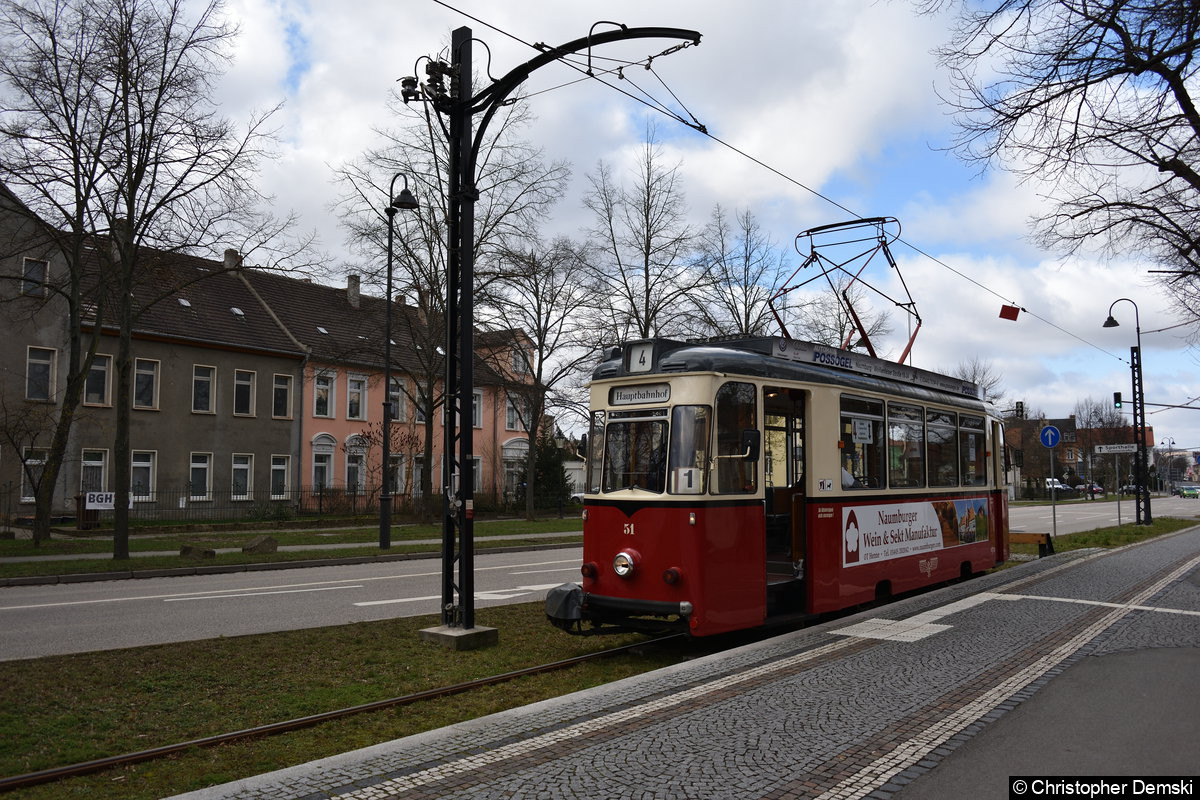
[(237, 312), (183, 301), (322, 330)]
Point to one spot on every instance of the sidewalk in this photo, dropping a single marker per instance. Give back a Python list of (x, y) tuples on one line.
[(1039, 670), (294, 548)]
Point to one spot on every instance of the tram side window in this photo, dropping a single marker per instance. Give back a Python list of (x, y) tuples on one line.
[(689, 449), (635, 453), (906, 446), (737, 411), (973, 450), (595, 454), (942, 447), (861, 443)]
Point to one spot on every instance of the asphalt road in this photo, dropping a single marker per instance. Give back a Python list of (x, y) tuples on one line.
[(72, 618), (1092, 514)]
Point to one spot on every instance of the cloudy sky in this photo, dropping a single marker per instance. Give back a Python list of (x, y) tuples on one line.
[(841, 97)]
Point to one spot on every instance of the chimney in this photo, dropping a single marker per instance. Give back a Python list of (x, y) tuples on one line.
[(233, 261), (121, 236), (352, 290)]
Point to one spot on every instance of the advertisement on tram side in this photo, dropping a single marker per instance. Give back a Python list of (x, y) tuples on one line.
[(882, 532)]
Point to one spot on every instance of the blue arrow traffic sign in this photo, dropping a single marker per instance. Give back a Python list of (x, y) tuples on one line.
[(1050, 436)]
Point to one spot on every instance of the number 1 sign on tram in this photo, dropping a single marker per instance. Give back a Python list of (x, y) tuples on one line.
[(1050, 436)]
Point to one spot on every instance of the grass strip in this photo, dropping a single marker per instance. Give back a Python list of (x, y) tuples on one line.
[(67, 709), (1114, 536)]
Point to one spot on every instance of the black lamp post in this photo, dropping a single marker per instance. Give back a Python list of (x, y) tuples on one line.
[(396, 202), (1142, 490)]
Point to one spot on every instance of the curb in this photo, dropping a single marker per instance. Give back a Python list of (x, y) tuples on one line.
[(175, 572)]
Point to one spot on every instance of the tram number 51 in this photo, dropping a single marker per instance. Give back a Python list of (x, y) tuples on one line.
[(628, 531)]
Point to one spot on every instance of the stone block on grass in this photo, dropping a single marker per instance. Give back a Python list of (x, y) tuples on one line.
[(261, 544), (196, 551)]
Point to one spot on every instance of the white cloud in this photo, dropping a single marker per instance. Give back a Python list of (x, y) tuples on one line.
[(839, 96)]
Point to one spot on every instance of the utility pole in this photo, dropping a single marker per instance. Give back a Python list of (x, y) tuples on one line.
[(460, 104)]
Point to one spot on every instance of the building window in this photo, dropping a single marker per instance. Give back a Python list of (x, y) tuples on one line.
[(515, 456), (397, 474), (242, 485), (515, 414), (33, 463), (419, 408), (521, 362), (323, 386), (280, 473), (243, 392), (143, 475), (93, 471), (200, 477), (145, 383), (33, 277), (281, 397), (356, 398), (355, 464), (39, 373), (477, 409), (203, 379), (396, 398), (95, 388), (323, 445)]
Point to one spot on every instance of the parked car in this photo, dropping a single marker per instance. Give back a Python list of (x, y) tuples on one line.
[(1129, 488), (1092, 489)]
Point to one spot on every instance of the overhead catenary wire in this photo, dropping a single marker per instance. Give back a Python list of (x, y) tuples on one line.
[(696, 125)]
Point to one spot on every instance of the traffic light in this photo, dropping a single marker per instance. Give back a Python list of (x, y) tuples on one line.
[(1020, 410), (1116, 399)]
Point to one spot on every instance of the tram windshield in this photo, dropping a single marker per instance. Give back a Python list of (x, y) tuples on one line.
[(635, 451)]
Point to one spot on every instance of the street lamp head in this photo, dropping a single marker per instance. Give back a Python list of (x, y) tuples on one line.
[(1111, 322), (405, 200)]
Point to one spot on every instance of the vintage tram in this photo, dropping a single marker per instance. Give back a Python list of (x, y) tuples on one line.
[(732, 483)]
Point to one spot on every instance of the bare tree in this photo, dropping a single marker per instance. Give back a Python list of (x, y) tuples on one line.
[(983, 374), (641, 248), (826, 319), (516, 188), (746, 268), (1097, 422), (112, 132), (1097, 99), (542, 341)]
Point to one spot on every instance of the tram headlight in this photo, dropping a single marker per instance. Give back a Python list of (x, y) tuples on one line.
[(624, 563)]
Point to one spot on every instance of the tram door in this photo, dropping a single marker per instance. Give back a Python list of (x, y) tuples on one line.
[(783, 480)]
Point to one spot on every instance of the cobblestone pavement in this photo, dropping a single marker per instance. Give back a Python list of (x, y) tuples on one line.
[(857, 707)]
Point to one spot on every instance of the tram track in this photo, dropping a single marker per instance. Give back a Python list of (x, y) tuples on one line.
[(140, 756)]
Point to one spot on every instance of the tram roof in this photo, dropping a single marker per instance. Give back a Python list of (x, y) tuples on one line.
[(790, 359)]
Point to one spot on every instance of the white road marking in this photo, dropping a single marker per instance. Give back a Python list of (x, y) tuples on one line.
[(543, 571), (270, 588), (399, 600), (258, 594), (496, 594)]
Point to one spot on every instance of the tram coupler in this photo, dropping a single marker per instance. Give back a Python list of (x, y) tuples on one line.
[(564, 607)]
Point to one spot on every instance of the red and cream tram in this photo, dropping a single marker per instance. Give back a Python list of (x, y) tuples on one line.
[(731, 483)]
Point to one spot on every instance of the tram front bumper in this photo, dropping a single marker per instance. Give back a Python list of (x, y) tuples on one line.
[(568, 606)]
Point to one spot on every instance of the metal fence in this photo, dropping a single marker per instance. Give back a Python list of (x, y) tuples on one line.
[(181, 505)]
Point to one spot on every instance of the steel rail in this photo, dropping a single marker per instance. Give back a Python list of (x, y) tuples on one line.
[(88, 767)]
